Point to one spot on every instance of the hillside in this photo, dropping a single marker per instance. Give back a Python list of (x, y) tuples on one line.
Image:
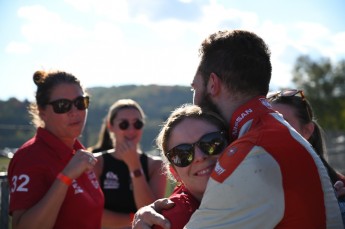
[(156, 101)]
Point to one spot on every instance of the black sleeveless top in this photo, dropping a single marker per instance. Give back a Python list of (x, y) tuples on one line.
[(116, 184)]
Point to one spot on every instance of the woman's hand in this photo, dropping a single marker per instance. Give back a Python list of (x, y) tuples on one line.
[(81, 161), (127, 151), (149, 215)]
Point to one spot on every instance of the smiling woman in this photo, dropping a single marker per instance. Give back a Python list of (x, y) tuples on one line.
[(190, 141)]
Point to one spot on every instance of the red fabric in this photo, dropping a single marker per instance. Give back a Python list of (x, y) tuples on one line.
[(35, 167), (303, 208), (185, 205)]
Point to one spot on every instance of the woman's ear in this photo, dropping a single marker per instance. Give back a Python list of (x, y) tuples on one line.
[(109, 126), (308, 130), (41, 113)]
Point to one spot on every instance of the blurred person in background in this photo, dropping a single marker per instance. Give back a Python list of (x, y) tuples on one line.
[(297, 111), (128, 177)]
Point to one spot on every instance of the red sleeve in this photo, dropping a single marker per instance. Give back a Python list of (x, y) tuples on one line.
[(28, 183), (179, 215)]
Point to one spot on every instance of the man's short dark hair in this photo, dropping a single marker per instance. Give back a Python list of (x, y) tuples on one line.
[(241, 59)]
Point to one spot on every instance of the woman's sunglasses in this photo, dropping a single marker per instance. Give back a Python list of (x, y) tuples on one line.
[(62, 106), (124, 125), (289, 93), (285, 93), (210, 144)]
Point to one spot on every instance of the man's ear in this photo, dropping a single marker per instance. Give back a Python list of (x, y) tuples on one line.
[(213, 84)]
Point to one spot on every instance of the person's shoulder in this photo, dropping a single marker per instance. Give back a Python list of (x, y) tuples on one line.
[(183, 198), (185, 206), (29, 156), (27, 150)]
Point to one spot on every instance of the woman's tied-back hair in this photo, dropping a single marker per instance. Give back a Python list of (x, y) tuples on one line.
[(46, 82), (186, 111), (241, 59)]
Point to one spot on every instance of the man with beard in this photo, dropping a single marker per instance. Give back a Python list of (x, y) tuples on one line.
[(269, 176)]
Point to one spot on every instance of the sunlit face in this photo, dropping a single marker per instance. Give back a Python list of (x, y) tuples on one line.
[(67, 126), (201, 97), (198, 89), (131, 133), (195, 175), (289, 114)]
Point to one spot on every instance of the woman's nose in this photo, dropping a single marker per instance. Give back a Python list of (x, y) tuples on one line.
[(198, 154)]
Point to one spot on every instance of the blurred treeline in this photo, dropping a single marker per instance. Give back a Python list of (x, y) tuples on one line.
[(156, 101), (322, 81)]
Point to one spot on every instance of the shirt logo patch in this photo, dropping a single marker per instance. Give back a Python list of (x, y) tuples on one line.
[(92, 177), (111, 181), (77, 188), (219, 169), (231, 151), (239, 119)]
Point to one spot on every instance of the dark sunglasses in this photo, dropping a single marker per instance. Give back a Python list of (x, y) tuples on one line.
[(210, 144), (62, 106), (124, 125), (289, 93)]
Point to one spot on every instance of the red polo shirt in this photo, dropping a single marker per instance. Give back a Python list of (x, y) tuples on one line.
[(34, 168)]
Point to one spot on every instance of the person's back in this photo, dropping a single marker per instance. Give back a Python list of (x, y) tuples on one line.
[(275, 162)]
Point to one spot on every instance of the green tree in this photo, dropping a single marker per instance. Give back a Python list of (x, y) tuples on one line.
[(324, 85)]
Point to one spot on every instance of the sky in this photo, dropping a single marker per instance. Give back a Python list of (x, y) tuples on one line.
[(118, 42)]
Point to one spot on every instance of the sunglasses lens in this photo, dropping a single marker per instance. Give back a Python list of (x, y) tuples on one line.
[(138, 124), (213, 143), (210, 144), (82, 103), (181, 155), (124, 125), (61, 106)]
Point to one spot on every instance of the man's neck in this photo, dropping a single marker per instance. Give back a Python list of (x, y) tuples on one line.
[(228, 105)]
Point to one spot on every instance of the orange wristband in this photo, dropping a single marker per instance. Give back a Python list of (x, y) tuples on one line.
[(64, 179)]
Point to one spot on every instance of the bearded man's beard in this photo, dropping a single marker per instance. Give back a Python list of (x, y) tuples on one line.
[(207, 104)]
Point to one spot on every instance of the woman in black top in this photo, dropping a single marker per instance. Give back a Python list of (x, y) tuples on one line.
[(129, 178)]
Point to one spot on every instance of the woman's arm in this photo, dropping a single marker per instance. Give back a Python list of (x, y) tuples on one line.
[(44, 213), (147, 192)]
